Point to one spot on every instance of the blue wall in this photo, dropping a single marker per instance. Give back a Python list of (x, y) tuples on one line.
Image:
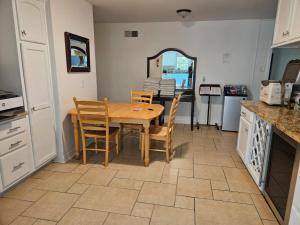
[(281, 58)]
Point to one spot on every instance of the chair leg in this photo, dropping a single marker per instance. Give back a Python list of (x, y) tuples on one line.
[(117, 142), (106, 152), (84, 152), (167, 150)]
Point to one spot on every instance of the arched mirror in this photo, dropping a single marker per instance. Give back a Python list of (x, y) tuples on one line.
[(173, 63)]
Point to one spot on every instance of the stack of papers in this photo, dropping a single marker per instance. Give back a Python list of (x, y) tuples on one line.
[(167, 87), (152, 84)]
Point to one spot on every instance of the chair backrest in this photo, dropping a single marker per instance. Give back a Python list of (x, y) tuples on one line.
[(92, 115), (173, 111), (141, 96)]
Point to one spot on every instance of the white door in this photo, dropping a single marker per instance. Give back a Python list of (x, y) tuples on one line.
[(31, 18), (295, 28), (282, 21), (37, 80), (243, 137)]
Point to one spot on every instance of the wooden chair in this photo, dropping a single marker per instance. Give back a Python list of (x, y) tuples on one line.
[(139, 97), (164, 133), (94, 123)]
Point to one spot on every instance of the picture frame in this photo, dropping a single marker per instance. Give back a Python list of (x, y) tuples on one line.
[(77, 53)]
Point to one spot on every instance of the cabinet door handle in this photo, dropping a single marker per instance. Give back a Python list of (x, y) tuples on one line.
[(246, 129), (23, 32), (14, 145), (11, 130), (17, 167)]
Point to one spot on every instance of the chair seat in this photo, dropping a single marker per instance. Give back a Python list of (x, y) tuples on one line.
[(158, 131), (101, 134)]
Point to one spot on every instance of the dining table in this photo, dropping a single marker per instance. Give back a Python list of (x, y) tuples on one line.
[(125, 113)]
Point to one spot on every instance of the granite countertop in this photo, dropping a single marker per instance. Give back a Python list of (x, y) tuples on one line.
[(284, 119)]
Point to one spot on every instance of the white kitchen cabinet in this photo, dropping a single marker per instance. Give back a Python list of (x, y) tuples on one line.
[(283, 19), (295, 26), (295, 211), (36, 70), (287, 30), (31, 18)]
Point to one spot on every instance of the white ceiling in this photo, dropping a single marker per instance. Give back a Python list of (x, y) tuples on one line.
[(165, 10)]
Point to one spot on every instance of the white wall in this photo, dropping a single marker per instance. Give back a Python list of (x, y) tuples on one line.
[(121, 62), (74, 16)]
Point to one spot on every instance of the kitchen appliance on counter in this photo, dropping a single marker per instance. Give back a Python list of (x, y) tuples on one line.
[(272, 91), (11, 105), (281, 175), (233, 95)]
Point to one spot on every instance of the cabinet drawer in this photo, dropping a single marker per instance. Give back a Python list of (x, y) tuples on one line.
[(248, 115), (14, 165), (12, 128), (13, 143)]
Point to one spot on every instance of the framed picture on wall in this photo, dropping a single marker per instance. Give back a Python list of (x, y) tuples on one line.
[(77, 53)]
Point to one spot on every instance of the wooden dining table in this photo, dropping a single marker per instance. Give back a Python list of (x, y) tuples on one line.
[(125, 113)]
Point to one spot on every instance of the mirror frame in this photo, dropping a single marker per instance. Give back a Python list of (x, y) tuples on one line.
[(175, 50), (68, 38)]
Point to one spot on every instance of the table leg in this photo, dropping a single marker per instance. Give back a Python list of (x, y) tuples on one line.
[(147, 142), (157, 121), (121, 136), (76, 136), (192, 114)]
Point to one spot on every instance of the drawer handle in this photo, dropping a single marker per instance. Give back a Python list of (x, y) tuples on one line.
[(17, 167), (14, 145), (11, 130)]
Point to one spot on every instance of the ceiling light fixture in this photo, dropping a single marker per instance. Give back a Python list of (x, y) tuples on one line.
[(183, 13)]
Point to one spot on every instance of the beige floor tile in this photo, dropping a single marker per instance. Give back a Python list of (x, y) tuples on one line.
[(142, 210), (21, 220), (44, 222), (108, 199), (192, 187), (78, 188), (163, 215), (10, 209), (209, 172), (269, 222), (213, 159), (170, 176), (262, 207), (42, 174), (97, 176), (61, 167), (25, 191), (219, 185), (158, 193), (229, 196), (117, 219), (82, 169), (83, 217), (58, 181), (51, 206), (126, 183), (240, 180), (182, 164), (152, 173), (184, 202), (210, 212), (185, 173)]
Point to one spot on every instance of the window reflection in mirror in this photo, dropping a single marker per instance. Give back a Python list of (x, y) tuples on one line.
[(173, 65)]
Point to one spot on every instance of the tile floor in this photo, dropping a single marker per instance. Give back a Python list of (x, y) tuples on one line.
[(205, 184)]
